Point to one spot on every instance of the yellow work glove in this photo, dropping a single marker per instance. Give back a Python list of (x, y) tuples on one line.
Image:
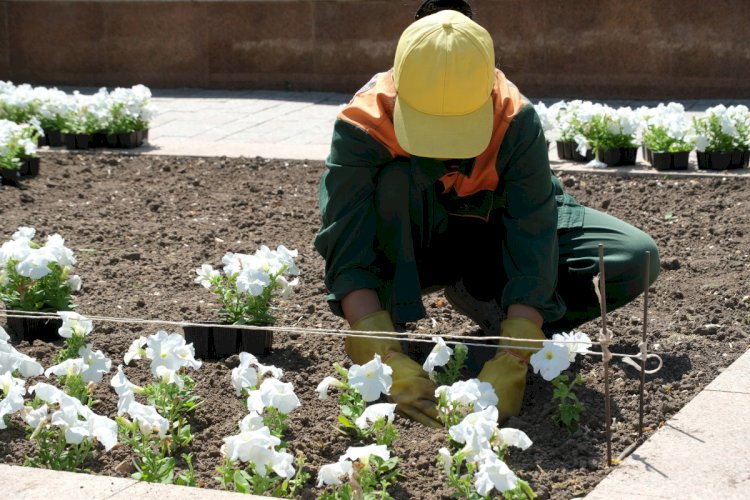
[(507, 371), (412, 391)]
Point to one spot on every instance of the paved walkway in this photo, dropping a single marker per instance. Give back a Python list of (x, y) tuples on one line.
[(702, 452)]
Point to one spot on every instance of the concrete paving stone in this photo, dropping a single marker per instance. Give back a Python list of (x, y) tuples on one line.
[(734, 379), (171, 492), (27, 483), (700, 453), (185, 128)]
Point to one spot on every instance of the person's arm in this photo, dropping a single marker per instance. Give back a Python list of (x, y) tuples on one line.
[(530, 249), (526, 312), (360, 303), (346, 241)]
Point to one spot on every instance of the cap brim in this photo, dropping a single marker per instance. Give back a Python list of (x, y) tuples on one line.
[(431, 136)]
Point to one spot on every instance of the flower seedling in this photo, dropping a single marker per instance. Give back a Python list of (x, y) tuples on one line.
[(64, 430), (667, 129), (359, 385), (555, 357), (12, 390), (75, 329), (78, 375), (250, 283), (256, 461), (457, 401), (36, 277), (474, 464), (172, 393), (18, 141), (569, 406), (369, 471), (450, 362)]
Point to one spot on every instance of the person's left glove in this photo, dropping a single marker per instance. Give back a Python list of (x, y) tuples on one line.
[(412, 391), (507, 371)]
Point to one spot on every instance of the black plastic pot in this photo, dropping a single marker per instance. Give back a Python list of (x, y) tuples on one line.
[(54, 138), (44, 329), (647, 154), (98, 140), (670, 161), (29, 167), (77, 141), (10, 177), (129, 140), (617, 157), (215, 342), (715, 160)]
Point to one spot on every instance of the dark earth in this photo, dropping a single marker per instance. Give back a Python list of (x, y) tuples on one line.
[(140, 225)]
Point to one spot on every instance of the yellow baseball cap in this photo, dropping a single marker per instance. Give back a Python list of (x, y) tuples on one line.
[(444, 72)]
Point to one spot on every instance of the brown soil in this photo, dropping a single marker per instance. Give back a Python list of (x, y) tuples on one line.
[(141, 225)]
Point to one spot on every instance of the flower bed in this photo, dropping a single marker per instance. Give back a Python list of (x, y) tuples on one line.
[(141, 233)]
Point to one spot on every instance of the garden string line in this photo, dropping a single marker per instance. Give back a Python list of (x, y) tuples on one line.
[(628, 359)]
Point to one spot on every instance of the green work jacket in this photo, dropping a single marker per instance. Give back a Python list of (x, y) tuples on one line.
[(522, 187)]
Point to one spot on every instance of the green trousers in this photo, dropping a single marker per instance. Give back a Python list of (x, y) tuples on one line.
[(469, 249)]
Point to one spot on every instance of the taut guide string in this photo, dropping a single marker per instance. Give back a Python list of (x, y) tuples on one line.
[(629, 359)]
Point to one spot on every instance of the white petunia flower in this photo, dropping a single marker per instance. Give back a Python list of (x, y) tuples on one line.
[(12, 360), (472, 392), (325, 384), (551, 360), (251, 422), (24, 232), (136, 350), (333, 474), (74, 324), (362, 453), (4, 337), (121, 384), (34, 418), (12, 390), (493, 473), (205, 274), (147, 417), (514, 437), (74, 282), (375, 412), (96, 364), (244, 378), (170, 351), (574, 342), (274, 393), (446, 459), (439, 355), (371, 379)]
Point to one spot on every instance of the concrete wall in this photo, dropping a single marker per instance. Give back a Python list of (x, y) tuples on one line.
[(571, 48)]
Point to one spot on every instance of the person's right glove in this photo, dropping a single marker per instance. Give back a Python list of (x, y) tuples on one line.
[(507, 371), (412, 391)]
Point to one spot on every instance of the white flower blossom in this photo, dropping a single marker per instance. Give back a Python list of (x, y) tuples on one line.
[(371, 379), (574, 342), (472, 392), (325, 384), (493, 473), (12, 390), (551, 360), (74, 324), (333, 474), (439, 356), (273, 393), (375, 412)]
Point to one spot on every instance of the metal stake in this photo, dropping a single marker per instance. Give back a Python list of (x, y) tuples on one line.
[(643, 348), (605, 353)]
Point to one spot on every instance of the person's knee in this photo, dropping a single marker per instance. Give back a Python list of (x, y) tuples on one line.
[(645, 252)]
